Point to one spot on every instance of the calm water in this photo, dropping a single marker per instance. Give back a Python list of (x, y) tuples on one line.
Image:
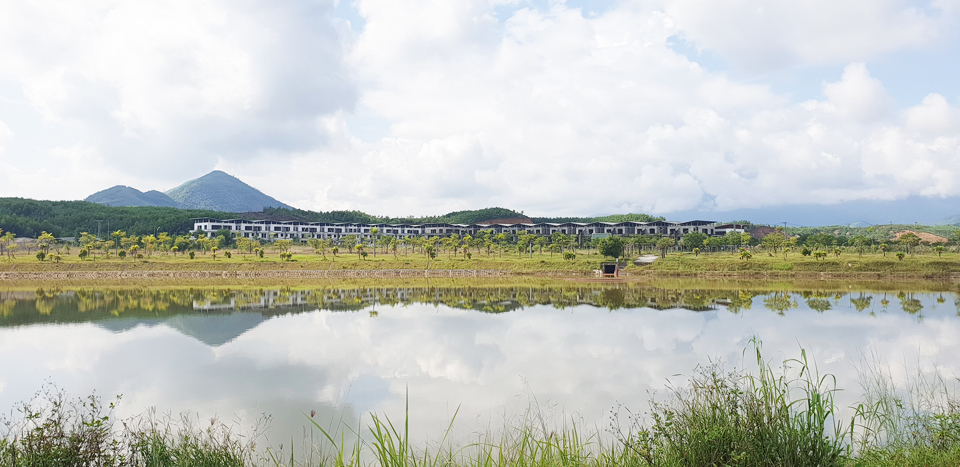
[(494, 352)]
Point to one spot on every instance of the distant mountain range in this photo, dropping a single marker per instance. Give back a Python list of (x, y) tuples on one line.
[(215, 191), (923, 210), (219, 191)]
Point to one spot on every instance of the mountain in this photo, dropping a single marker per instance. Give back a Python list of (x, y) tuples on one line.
[(216, 191), (220, 191), (951, 220), (914, 209), (126, 196)]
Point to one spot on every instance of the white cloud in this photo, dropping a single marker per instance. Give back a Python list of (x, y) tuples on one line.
[(543, 110), (157, 84), (5, 136), (760, 35), (858, 97)]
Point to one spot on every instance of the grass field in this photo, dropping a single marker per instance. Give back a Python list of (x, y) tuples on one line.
[(304, 258), (846, 262), (926, 264)]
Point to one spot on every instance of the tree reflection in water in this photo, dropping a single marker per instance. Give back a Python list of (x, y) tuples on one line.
[(779, 302), (86, 304)]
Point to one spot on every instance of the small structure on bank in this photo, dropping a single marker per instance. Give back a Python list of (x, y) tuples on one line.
[(609, 269)]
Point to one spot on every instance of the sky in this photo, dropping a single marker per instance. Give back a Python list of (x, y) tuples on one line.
[(551, 107)]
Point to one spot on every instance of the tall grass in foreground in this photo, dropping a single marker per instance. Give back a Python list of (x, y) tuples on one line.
[(731, 418), (784, 416)]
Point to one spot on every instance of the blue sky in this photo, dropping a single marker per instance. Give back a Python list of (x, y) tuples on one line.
[(555, 107)]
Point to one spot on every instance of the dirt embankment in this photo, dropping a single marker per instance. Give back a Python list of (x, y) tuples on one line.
[(924, 236)]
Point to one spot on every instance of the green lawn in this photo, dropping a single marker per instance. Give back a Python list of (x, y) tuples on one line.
[(846, 262), (684, 263)]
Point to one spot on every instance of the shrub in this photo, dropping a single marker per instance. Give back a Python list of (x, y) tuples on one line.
[(806, 251), (192, 255), (41, 255), (227, 254), (569, 255), (52, 430)]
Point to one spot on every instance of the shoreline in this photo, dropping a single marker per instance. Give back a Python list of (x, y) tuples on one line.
[(572, 275)]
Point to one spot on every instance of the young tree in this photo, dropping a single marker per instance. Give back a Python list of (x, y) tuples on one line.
[(117, 236), (560, 239), (733, 239), (909, 240), (664, 244), (320, 246), (776, 240), (525, 243), (164, 241), (205, 244), (499, 238), (182, 243), (228, 237), (129, 241), (46, 240), (283, 246), (611, 246), (374, 233), (244, 245), (541, 242), (694, 240), (860, 242), (149, 243)]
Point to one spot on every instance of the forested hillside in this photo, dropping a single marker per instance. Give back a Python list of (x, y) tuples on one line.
[(610, 218), (27, 218)]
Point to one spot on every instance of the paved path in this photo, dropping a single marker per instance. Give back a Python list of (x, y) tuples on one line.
[(645, 259)]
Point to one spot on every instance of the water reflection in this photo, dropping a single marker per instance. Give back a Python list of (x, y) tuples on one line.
[(78, 305), (488, 349)]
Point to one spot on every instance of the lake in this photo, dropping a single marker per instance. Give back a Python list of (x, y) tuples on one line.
[(561, 351)]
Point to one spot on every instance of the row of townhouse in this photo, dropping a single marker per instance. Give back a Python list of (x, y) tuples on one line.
[(272, 230)]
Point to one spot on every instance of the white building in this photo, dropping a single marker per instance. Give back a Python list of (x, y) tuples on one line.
[(298, 230)]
